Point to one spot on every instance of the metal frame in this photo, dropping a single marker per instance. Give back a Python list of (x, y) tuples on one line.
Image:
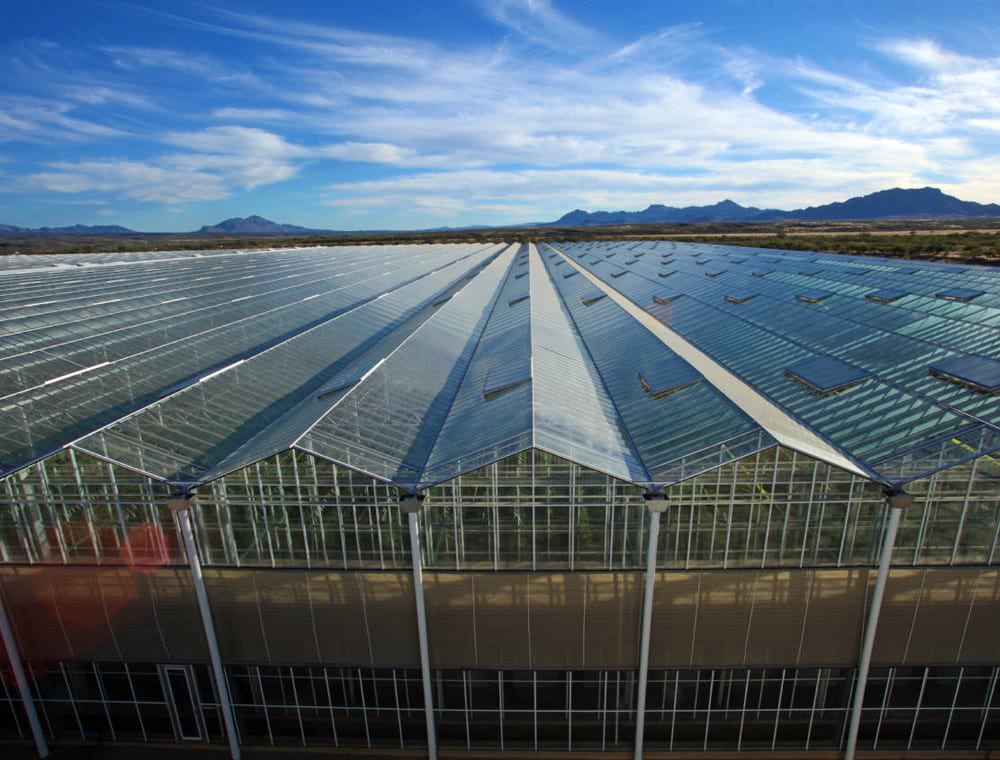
[(656, 503), (14, 655), (180, 505), (411, 504), (897, 501)]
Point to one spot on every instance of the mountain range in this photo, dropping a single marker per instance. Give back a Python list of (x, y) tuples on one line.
[(922, 203)]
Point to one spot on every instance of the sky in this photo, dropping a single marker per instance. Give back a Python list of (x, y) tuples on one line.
[(336, 114)]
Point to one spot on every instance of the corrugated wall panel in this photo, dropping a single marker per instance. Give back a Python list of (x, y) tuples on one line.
[(835, 621), (522, 620), (339, 618), (940, 615), (982, 636), (64, 613)]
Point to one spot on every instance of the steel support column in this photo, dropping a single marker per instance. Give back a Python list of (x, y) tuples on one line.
[(411, 504), (181, 506), (898, 501), (655, 504), (14, 655)]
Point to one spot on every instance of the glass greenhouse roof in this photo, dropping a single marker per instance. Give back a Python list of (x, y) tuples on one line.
[(418, 363)]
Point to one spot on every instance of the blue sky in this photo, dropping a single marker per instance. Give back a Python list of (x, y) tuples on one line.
[(376, 115)]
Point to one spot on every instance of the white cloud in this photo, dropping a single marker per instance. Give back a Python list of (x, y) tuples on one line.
[(671, 117), (539, 22), (33, 119)]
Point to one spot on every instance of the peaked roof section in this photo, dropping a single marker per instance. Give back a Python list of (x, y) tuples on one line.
[(84, 345), (259, 407), (896, 421), (418, 363), (388, 424)]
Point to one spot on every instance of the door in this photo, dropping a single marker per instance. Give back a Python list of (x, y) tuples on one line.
[(185, 709)]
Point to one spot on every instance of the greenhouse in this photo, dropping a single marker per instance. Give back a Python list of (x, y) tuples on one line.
[(632, 496)]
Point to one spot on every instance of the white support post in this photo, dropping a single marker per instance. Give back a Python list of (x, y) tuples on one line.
[(411, 504), (14, 655), (655, 504), (181, 505), (898, 501)]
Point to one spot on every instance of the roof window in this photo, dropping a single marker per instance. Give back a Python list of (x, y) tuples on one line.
[(812, 296), (886, 295), (740, 296), (504, 377), (958, 294), (341, 381), (666, 297), (826, 375), (665, 378), (980, 373), (592, 296)]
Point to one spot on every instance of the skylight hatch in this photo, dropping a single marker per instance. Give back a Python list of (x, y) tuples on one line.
[(958, 294), (505, 377), (740, 296), (666, 297), (342, 381), (826, 375), (666, 377), (812, 296), (592, 296), (981, 373), (886, 295)]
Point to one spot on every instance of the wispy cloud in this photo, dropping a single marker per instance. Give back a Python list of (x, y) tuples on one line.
[(35, 119), (508, 125), (539, 22)]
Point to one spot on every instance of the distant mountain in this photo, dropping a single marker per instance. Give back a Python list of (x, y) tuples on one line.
[(76, 229), (255, 225), (923, 203), (724, 211)]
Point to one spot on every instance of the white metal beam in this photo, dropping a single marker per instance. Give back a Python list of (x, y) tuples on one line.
[(655, 504), (897, 502), (411, 504), (785, 429), (180, 506), (14, 655)]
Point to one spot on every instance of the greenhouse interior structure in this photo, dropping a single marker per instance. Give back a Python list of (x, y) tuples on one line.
[(633, 497)]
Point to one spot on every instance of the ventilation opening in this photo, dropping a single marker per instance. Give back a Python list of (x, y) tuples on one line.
[(665, 297), (667, 274), (342, 381), (886, 295), (570, 274), (958, 294), (592, 296), (618, 273), (517, 299), (826, 375), (506, 377), (812, 296), (665, 379), (714, 272), (980, 373)]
